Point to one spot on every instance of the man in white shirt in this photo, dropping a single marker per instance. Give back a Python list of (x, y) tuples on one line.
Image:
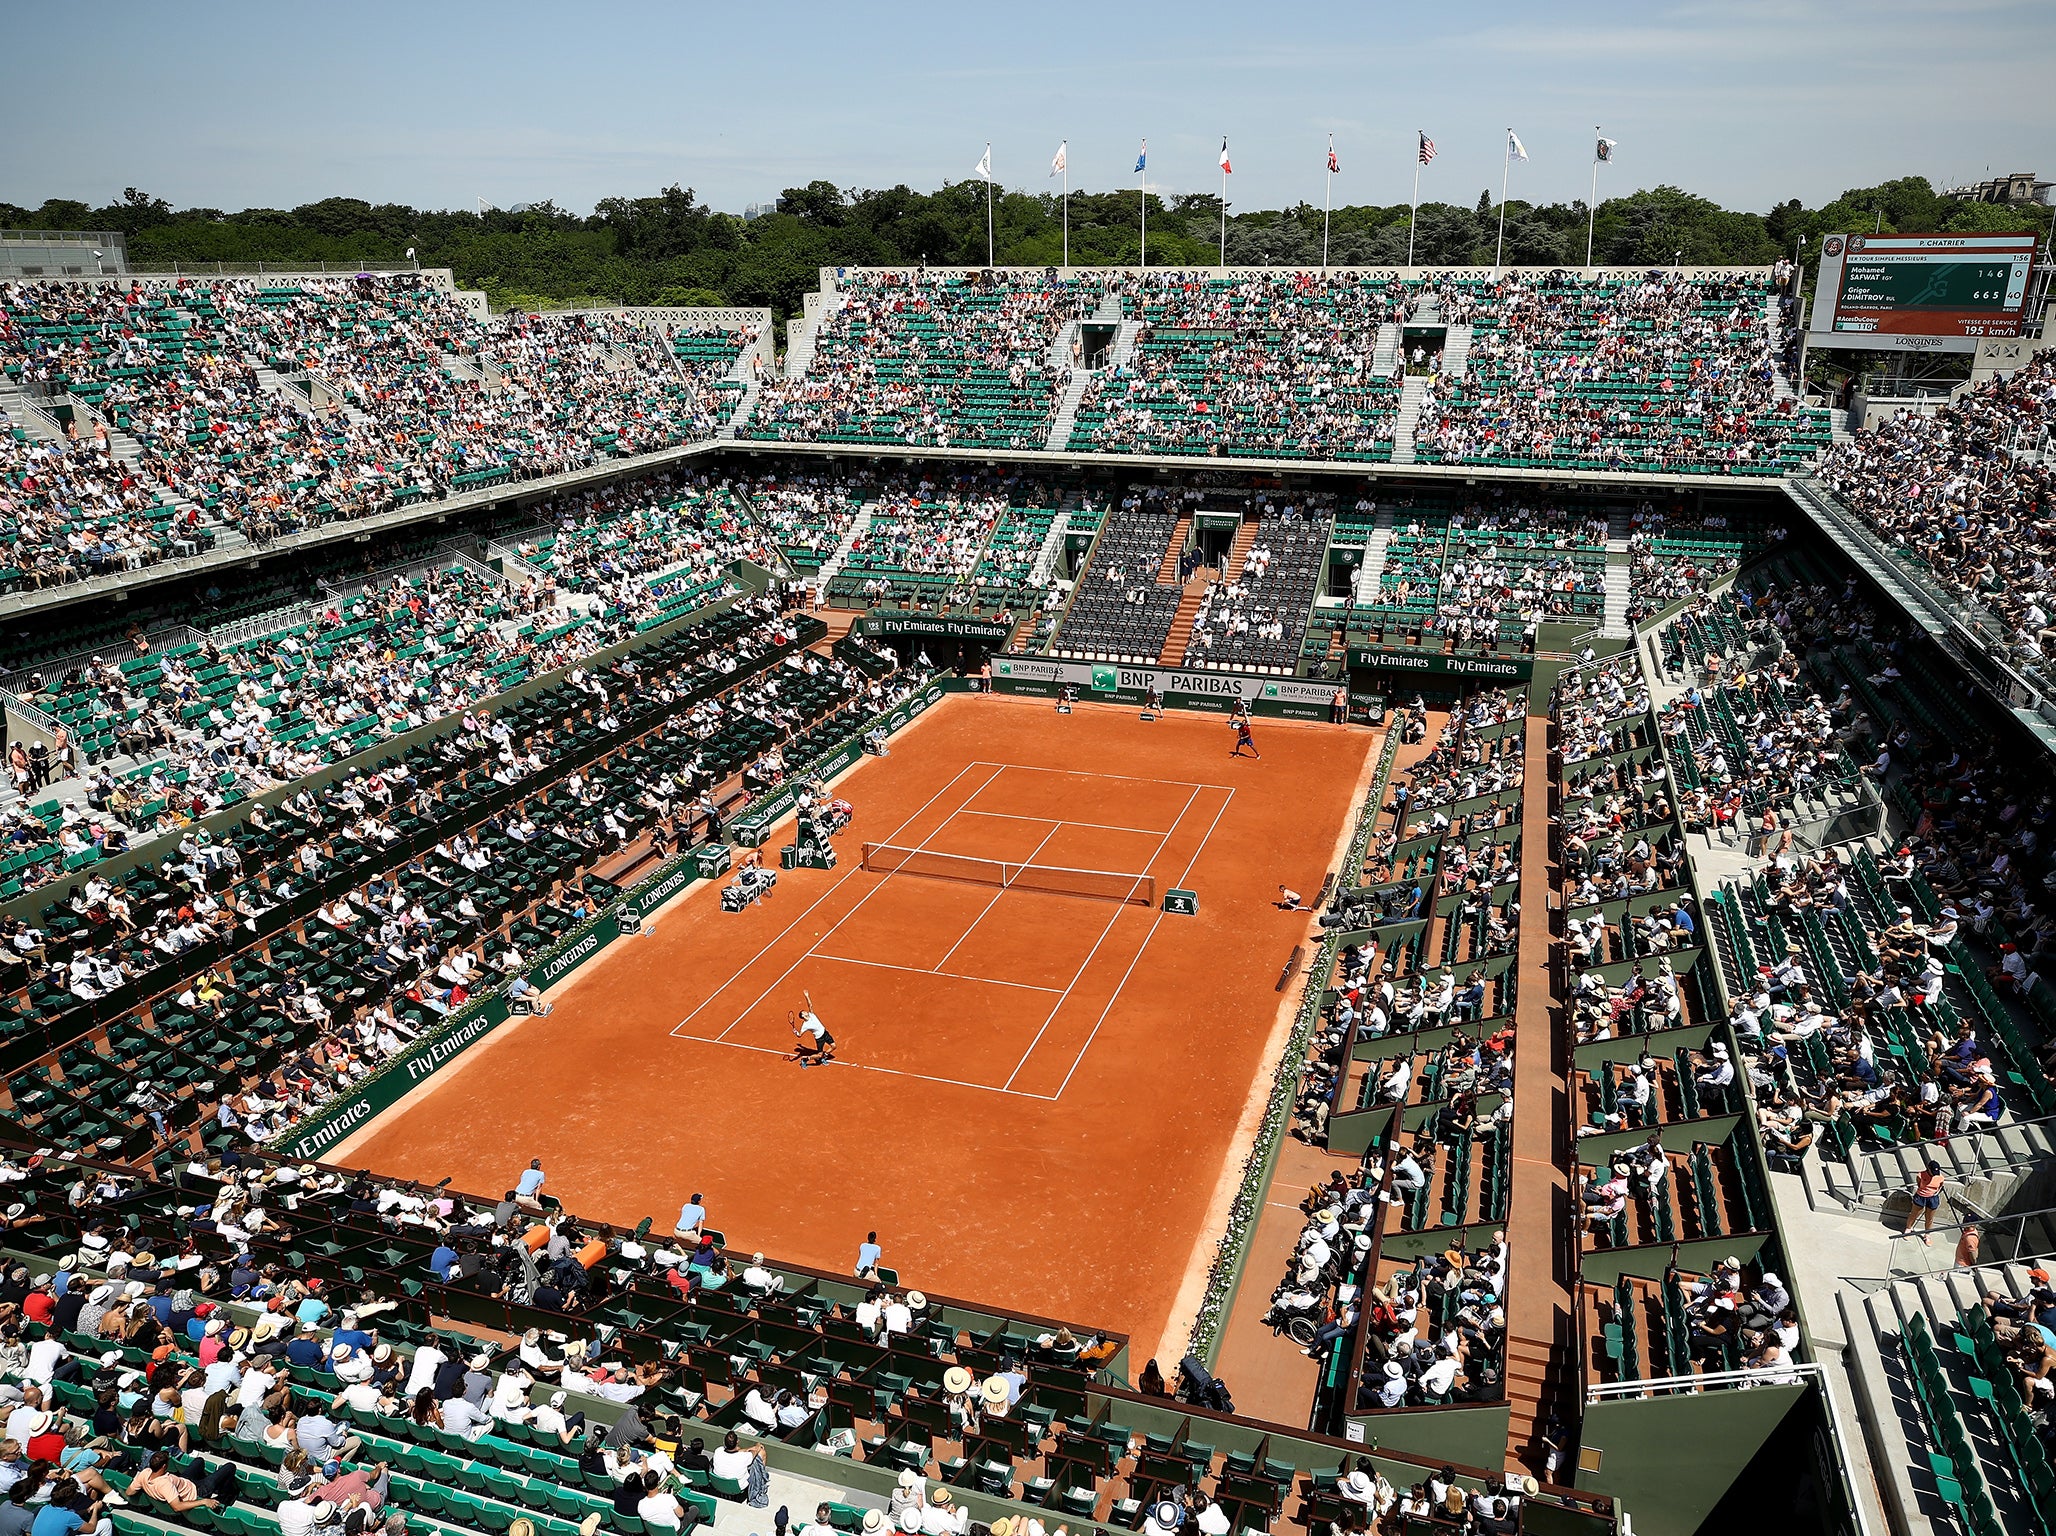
[(731, 1462), (941, 1517)]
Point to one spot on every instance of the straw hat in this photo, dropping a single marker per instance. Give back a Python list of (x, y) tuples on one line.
[(994, 1390), (956, 1381)]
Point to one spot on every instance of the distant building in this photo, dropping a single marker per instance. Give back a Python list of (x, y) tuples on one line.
[(61, 253), (757, 210), (2019, 187)]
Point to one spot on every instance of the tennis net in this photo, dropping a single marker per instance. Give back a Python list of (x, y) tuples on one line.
[(1102, 884)]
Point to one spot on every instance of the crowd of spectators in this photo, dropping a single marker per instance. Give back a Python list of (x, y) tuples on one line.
[(270, 408), (1963, 492), (1671, 372), (942, 361)]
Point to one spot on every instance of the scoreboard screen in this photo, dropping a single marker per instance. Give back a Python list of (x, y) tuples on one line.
[(1960, 286)]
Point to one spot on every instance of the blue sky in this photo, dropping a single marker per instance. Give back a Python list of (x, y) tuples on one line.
[(439, 102)]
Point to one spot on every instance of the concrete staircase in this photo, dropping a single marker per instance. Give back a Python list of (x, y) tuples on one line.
[(799, 336), (333, 392), (29, 413), (1124, 344), (1059, 355), (462, 368), (840, 555), (1411, 394), (1385, 351), (1619, 568), (271, 382), (751, 393), (1456, 351), (1373, 568), (1067, 411), (1052, 546)]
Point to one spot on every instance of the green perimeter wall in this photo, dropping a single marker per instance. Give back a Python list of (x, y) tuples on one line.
[(1668, 1461)]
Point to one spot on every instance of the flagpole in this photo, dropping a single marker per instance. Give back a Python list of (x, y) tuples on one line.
[(1224, 214), (1415, 213), (988, 205), (1067, 207), (1505, 165), (1142, 187), (1327, 201), (1592, 207)]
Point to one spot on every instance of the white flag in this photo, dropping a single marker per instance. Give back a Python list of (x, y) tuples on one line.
[(1606, 148), (1056, 166), (1514, 148), (984, 171)]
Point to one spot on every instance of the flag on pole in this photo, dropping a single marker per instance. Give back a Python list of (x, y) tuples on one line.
[(1056, 166), (1427, 148), (1334, 165), (1226, 168), (1515, 149), (984, 171), (1605, 150), (1142, 159)]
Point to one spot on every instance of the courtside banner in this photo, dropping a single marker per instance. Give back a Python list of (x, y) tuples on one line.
[(315, 1135), (1472, 669), (1296, 698), (931, 624)]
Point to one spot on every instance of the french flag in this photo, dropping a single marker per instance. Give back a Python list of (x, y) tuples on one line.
[(1226, 168)]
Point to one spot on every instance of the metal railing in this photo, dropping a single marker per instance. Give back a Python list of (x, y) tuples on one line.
[(1880, 1172), (2015, 1237)]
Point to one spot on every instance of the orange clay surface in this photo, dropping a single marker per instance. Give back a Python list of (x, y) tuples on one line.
[(1037, 1096)]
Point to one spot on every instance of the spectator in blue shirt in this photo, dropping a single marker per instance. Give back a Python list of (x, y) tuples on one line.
[(311, 1312), (868, 1255), (442, 1261), (530, 1183), (691, 1214)]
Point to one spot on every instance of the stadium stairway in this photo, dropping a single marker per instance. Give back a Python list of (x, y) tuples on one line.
[(1167, 568), (839, 557), (1456, 351), (752, 391), (800, 334), (462, 368), (1619, 575), (1373, 569), (271, 382), (1124, 344), (1067, 411), (1411, 393), (1052, 545), (1195, 589), (350, 412), (1385, 352), (24, 411)]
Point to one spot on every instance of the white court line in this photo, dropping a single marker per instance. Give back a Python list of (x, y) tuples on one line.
[(1097, 826), (1094, 773), (1032, 1044), (915, 970), (982, 911), (951, 1082), (855, 907), (1146, 939), (833, 887)]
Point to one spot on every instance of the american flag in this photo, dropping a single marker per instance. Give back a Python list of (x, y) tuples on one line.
[(1427, 149)]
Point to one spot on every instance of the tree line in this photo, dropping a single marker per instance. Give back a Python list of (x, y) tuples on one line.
[(672, 249)]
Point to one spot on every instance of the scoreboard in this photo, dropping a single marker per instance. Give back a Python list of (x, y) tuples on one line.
[(1944, 291)]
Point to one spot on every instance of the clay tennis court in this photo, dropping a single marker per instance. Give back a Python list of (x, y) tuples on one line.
[(1042, 1098)]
